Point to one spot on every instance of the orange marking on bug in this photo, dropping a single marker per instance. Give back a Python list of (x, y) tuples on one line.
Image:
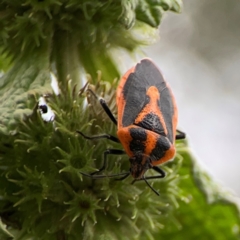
[(125, 138), (150, 141), (169, 154), (152, 107)]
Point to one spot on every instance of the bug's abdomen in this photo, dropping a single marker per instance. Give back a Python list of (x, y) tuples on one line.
[(137, 140)]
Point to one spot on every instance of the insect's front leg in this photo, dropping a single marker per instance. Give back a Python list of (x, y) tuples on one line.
[(105, 155), (107, 136), (105, 107)]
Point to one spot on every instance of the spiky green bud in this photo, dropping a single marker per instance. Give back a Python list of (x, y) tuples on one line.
[(45, 174)]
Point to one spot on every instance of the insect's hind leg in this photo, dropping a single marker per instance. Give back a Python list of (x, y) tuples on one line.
[(181, 135), (105, 107)]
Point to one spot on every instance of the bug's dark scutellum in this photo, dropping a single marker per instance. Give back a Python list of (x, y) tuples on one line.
[(147, 121)]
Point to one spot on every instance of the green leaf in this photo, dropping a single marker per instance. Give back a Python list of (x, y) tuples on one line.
[(151, 11), (173, 5), (129, 13), (19, 87), (5, 62), (210, 212)]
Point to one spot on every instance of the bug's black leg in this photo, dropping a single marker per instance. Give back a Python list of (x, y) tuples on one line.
[(106, 153), (107, 110), (107, 136), (157, 169), (160, 171), (105, 107), (106, 176), (122, 178), (181, 135)]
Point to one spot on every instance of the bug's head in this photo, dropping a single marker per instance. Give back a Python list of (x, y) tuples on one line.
[(140, 163)]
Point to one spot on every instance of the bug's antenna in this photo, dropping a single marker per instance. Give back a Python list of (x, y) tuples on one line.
[(143, 178), (150, 185)]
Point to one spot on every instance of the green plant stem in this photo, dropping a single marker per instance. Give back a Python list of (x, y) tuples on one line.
[(65, 54)]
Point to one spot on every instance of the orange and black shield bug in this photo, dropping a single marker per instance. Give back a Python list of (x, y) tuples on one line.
[(147, 121)]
